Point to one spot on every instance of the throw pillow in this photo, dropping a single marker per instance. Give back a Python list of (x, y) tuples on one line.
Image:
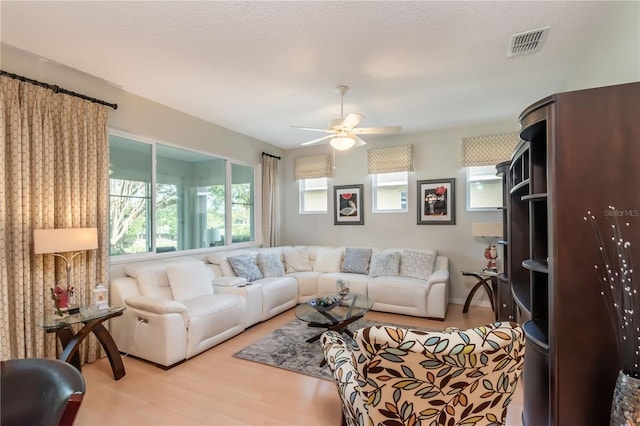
[(245, 266), (270, 265), (385, 264), (188, 281), (296, 259), (328, 260), (416, 264), (356, 261)]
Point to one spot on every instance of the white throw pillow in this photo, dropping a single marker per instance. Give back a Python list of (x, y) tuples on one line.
[(328, 260), (416, 264), (385, 264), (189, 281), (296, 259)]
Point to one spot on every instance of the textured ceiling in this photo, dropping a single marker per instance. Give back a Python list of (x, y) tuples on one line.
[(257, 67)]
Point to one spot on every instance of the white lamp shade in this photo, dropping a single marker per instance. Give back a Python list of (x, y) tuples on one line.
[(342, 143), (64, 240), (486, 229), (212, 234)]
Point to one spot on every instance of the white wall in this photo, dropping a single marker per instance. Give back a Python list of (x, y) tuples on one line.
[(437, 156), (615, 55)]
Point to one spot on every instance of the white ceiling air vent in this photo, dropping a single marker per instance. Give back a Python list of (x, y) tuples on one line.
[(527, 42)]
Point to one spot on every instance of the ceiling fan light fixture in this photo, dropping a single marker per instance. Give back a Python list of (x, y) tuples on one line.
[(342, 142)]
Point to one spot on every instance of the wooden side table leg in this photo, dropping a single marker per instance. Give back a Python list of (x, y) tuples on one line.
[(110, 347), (467, 302), (69, 349)]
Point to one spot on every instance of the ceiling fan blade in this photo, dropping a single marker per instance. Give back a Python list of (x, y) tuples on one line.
[(317, 140), (351, 120), (377, 130), (359, 142), (314, 129)]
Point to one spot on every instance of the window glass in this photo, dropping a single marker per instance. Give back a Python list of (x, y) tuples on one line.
[(390, 192), (484, 188), (313, 195), (185, 185), (242, 204), (182, 202), (129, 196)]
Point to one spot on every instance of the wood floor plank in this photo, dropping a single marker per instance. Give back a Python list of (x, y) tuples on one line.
[(216, 389)]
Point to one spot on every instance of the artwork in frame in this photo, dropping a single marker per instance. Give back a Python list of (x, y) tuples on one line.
[(348, 209), (437, 202)]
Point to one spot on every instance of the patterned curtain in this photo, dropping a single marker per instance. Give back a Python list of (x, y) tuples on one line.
[(54, 152), (270, 202)]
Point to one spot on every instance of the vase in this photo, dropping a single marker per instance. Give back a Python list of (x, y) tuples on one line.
[(625, 407)]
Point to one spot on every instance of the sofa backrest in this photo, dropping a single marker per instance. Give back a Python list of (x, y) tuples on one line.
[(152, 278)]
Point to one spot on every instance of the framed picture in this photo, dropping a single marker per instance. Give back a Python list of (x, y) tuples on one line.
[(437, 202), (348, 208)]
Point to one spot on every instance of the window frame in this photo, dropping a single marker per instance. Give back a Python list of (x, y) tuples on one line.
[(469, 182), (374, 195), (152, 219), (301, 196)]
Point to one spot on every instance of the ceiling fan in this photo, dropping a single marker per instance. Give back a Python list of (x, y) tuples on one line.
[(344, 132)]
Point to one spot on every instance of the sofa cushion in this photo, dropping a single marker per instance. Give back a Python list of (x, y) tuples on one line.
[(385, 264), (296, 259), (328, 259), (417, 264), (270, 265), (356, 260), (189, 281), (245, 266)]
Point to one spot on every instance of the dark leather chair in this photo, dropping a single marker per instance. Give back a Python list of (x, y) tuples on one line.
[(39, 391)]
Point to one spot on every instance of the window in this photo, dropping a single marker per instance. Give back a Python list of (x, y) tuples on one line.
[(390, 192), (484, 188), (313, 195), (187, 208)]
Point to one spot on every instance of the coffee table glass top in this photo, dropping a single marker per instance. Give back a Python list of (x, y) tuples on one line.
[(351, 305)]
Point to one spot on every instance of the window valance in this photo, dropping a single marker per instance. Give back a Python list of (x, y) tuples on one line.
[(312, 167), (390, 159), (488, 150)]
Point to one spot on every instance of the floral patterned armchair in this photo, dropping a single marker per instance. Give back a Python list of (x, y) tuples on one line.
[(396, 376)]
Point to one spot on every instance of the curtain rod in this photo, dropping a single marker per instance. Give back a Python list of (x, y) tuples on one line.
[(57, 89), (272, 156)]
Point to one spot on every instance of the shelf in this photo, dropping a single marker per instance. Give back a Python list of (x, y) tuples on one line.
[(537, 333), (520, 292), (503, 277), (520, 186), (536, 265), (535, 197), (502, 242)]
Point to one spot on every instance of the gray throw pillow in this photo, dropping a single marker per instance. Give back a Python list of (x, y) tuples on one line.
[(270, 265), (356, 260), (385, 264), (244, 266)]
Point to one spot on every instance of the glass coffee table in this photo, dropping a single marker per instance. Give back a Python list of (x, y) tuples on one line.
[(350, 308)]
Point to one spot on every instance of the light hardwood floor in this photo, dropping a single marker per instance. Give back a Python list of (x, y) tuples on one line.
[(214, 388)]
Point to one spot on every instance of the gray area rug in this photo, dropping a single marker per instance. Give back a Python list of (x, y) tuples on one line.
[(287, 348)]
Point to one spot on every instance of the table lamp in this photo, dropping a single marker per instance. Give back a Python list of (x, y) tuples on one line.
[(489, 231), (73, 241), (211, 236)]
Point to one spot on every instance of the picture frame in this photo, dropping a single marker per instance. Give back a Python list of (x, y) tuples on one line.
[(348, 206), (436, 201)]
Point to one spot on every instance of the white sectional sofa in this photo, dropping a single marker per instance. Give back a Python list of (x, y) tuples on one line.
[(180, 308)]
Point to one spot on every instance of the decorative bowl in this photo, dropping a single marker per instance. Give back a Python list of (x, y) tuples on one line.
[(325, 303)]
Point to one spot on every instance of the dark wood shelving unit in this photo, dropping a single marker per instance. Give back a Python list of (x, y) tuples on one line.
[(505, 305), (578, 152)]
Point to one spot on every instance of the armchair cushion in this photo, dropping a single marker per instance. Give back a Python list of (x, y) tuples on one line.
[(410, 377), (189, 280)]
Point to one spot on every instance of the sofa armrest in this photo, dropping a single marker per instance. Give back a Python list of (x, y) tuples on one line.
[(229, 281), (439, 276), (155, 305)]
